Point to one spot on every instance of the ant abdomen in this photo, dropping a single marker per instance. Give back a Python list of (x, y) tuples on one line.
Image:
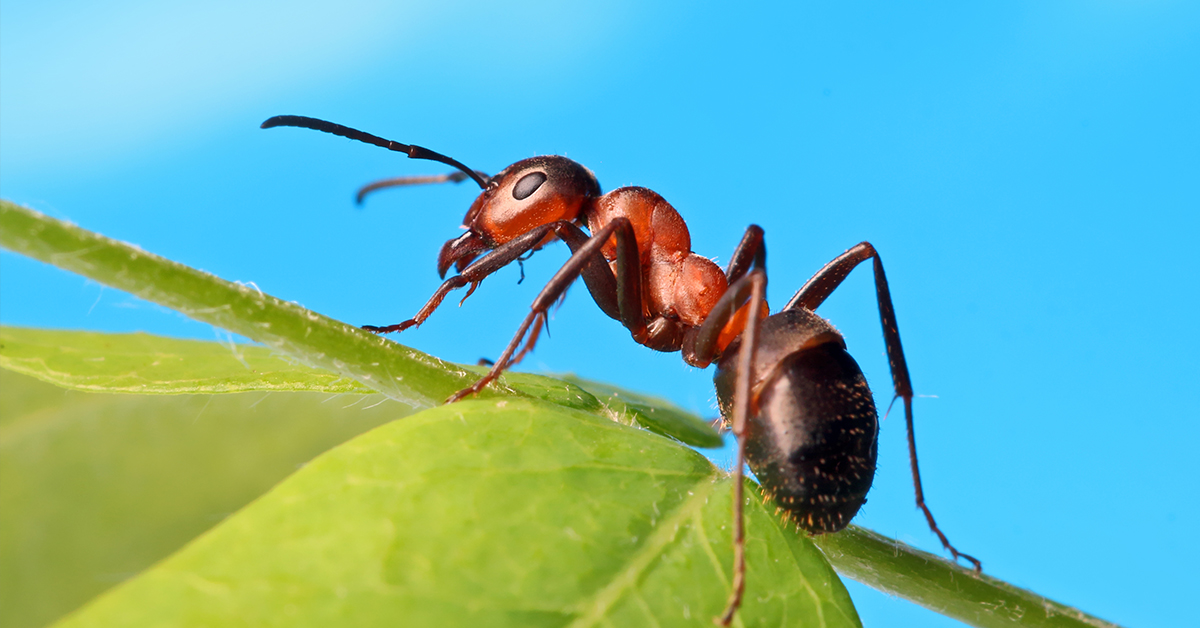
[(810, 437)]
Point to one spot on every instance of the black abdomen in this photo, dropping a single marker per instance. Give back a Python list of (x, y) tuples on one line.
[(812, 440), (812, 443)]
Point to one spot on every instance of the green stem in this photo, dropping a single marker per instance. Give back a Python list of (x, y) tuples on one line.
[(942, 586), (285, 327)]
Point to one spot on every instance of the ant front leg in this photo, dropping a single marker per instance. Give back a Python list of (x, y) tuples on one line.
[(587, 259), (475, 273), (814, 293)]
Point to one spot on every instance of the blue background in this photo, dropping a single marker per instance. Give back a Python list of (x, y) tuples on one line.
[(1029, 172)]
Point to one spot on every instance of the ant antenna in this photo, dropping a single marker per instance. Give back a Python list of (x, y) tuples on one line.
[(453, 177), (412, 150)]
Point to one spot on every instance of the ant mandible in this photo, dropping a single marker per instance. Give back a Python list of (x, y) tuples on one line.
[(797, 403)]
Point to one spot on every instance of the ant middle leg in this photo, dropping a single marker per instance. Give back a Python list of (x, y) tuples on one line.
[(813, 294)]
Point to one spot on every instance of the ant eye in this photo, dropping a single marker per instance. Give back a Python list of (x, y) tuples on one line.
[(528, 185)]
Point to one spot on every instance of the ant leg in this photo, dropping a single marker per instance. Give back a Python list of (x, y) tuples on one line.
[(620, 296), (478, 270), (629, 297), (503, 361), (534, 333), (609, 293), (700, 347), (751, 252), (813, 294), (741, 410), (597, 275), (452, 283)]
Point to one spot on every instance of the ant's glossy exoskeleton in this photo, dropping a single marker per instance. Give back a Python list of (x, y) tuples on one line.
[(797, 402)]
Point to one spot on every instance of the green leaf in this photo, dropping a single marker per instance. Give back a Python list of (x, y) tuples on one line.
[(142, 363), (96, 488), (657, 415), (497, 513)]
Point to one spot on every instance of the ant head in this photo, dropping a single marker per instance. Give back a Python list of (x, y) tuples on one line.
[(525, 195)]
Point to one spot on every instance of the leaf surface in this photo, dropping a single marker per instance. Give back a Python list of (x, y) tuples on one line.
[(144, 363), (657, 415), (148, 364), (487, 513), (96, 488)]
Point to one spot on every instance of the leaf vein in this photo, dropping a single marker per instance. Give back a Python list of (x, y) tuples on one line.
[(664, 535)]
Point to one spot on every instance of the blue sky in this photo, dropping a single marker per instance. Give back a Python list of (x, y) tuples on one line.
[(1027, 170)]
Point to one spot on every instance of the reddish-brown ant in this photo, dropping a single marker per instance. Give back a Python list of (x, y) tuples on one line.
[(797, 402)]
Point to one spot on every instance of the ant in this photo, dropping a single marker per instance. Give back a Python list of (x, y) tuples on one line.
[(797, 403)]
